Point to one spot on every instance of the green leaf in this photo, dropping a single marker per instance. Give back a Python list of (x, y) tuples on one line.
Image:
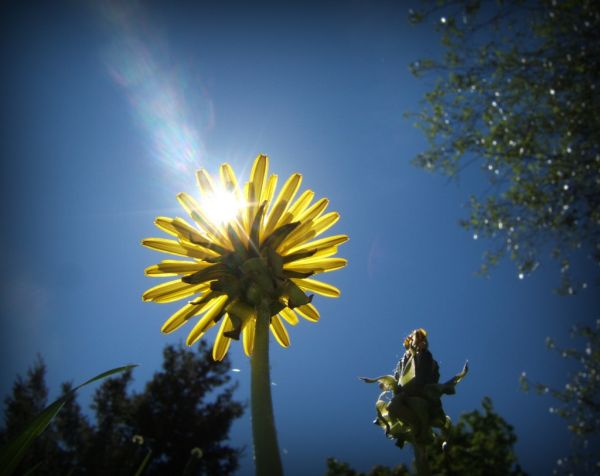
[(143, 464), (386, 382), (436, 390), (13, 451)]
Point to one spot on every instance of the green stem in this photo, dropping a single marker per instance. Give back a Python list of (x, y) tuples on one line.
[(421, 460), (266, 450)]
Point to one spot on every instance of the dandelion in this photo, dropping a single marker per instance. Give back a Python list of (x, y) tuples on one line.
[(259, 259), (250, 261)]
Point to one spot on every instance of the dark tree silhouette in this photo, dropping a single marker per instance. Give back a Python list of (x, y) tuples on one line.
[(180, 421), (339, 468), (480, 444), (29, 397), (182, 390)]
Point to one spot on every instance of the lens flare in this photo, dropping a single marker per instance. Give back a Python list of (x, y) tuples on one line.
[(167, 100)]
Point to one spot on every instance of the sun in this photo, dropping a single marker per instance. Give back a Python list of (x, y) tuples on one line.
[(222, 206)]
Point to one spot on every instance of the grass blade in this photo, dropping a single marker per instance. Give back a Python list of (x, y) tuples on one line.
[(12, 453)]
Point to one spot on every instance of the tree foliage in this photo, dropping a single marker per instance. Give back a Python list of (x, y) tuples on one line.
[(516, 94), (339, 468), (180, 421), (479, 444), (578, 403)]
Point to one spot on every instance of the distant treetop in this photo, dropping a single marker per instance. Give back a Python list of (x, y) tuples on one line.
[(516, 94)]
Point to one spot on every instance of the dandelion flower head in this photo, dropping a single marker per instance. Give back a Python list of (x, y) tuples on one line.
[(248, 249)]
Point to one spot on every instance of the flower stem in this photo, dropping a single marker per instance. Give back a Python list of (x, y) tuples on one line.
[(266, 450), (421, 460)]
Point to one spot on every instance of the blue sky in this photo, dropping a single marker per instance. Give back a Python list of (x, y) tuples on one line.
[(107, 113)]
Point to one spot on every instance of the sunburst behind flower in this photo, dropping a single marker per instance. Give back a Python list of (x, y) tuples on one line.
[(261, 257)]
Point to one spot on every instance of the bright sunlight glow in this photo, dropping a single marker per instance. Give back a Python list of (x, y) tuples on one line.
[(221, 206)]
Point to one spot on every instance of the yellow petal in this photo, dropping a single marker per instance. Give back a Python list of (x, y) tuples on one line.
[(269, 190), (204, 182), (302, 203), (316, 228), (296, 208), (289, 189), (315, 265), (326, 252), (184, 293), (213, 309), (308, 312), (174, 267), (221, 345), (248, 336), (247, 213), (280, 332), (165, 224), (184, 314), (307, 220), (176, 248), (228, 179), (309, 253), (318, 244), (187, 231), (325, 222), (313, 212), (318, 287), (289, 315), (320, 253), (172, 291), (258, 176)]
